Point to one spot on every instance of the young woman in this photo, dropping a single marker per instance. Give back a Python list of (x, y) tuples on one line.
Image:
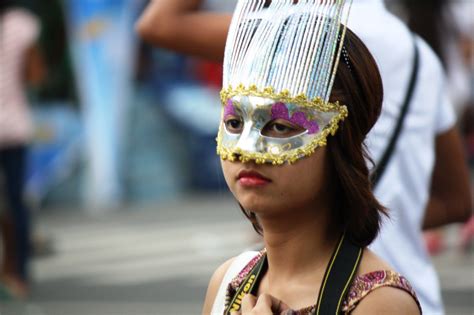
[(307, 192)]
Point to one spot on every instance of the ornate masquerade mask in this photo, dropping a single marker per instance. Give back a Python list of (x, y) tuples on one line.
[(279, 69)]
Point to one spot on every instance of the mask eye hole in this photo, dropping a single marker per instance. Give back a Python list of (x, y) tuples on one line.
[(280, 128), (233, 124)]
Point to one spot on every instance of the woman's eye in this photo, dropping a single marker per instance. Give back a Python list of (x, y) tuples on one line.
[(281, 129), (234, 125)]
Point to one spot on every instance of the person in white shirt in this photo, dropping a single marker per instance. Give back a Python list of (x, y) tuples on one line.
[(426, 182)]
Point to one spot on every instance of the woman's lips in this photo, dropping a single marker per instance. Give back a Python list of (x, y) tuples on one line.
[(252, 178)]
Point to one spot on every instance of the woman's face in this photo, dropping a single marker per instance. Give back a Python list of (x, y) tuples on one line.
[(269, 189)]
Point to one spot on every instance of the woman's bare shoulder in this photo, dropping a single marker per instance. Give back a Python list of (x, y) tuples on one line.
[(388, 301), (214, 285), (371, 262), (383, 299)]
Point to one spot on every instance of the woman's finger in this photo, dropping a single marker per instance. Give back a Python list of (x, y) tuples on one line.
[(267, 304), (283, 308), (248, 303)]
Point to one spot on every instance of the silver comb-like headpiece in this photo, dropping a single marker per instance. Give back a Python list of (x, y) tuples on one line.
[(286, 46)]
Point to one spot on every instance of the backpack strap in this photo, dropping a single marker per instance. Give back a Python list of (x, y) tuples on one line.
[(380, 168)]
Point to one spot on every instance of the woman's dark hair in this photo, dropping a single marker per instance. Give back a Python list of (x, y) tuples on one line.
[(357, 85)]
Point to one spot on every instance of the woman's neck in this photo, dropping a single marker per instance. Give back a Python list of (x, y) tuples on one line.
[(298, 246)]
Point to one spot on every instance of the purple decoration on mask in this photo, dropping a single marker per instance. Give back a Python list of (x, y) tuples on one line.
[(299, 118), (280, 111), (312, 127), (229, 109)]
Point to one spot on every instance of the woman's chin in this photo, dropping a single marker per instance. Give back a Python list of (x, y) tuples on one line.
[(258, 204)]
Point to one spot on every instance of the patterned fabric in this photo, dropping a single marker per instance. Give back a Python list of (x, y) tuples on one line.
[(360, 288), (364, 284), (235, 283)]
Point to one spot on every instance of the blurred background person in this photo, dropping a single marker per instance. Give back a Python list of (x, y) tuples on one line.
[(426, 182), (172, 26), (426, 179), (193, 27), (104, 52), (20, 64), (447, 27)]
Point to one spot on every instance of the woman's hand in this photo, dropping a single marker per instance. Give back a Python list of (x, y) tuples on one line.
[(264, 305)]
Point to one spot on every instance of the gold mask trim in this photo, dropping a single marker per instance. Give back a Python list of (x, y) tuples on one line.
[(285, 97)]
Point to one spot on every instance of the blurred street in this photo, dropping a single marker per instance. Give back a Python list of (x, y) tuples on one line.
[(158, 260)]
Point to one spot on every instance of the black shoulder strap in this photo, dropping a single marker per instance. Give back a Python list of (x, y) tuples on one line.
[(339, 275), (249, 285), (382, 165)]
